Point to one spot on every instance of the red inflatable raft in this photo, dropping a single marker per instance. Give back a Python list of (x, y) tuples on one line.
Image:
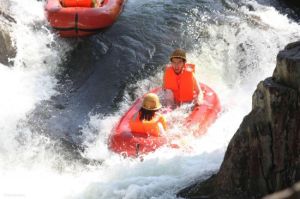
[(73, 18), (127, 143)]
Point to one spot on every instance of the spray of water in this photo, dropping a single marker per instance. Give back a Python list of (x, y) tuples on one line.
[(23, 156), (233, 51), (32, 78)]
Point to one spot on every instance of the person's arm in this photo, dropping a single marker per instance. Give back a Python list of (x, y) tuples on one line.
[(197, 86), (163, 122), (162, 125), (198, 92)]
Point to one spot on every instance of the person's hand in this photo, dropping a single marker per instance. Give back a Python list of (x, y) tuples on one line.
[(198, 100)]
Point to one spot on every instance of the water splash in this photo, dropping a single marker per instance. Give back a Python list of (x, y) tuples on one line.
[(233, 51), (230, 52), (32, 77)]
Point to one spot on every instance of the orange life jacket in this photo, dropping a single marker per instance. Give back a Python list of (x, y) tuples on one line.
[(152, 127), (77, 3), (183, 85)]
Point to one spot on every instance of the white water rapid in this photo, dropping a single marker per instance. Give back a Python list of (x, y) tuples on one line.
[(233, 51)]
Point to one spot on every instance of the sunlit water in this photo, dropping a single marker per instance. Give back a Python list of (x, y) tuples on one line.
[(233, 50)]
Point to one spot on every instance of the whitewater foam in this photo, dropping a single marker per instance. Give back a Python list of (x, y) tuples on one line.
[(232, 56)]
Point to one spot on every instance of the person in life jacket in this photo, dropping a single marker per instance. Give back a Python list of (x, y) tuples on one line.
[(147, 121), (180, 78)]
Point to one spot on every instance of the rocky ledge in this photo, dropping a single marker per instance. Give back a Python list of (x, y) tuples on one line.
[(264, 154), (6, 48)]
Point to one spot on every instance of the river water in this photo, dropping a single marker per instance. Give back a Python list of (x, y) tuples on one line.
[(61, 98)]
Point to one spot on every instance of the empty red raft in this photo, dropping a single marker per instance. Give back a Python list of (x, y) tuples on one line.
[(73, 18), (127, 143)]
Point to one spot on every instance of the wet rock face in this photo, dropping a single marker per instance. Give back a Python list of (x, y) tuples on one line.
[(290, 193), (264, 154), (6, 50), (287, 71), (295, 3)]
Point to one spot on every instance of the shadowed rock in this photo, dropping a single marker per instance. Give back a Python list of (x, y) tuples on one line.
[(291, 193), (264, 154), (7, 50), (293, 3)]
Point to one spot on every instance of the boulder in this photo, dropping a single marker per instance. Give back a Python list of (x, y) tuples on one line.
[(7, 49), (290, 193), (264, 154)]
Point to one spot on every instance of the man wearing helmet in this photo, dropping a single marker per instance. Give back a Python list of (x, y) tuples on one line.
[(180, 78)]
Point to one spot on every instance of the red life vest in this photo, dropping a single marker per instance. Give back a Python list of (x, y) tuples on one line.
[(152, 127), (182, 85)]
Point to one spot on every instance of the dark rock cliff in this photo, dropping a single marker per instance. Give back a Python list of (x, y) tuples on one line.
[(290, 193), (264, 154), (293, 3), (6, 48)]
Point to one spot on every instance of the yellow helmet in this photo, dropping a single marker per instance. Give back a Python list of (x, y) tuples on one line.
[(178, 53), (151, 102)]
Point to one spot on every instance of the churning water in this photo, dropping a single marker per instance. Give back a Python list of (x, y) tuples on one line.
[(234, 46)]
